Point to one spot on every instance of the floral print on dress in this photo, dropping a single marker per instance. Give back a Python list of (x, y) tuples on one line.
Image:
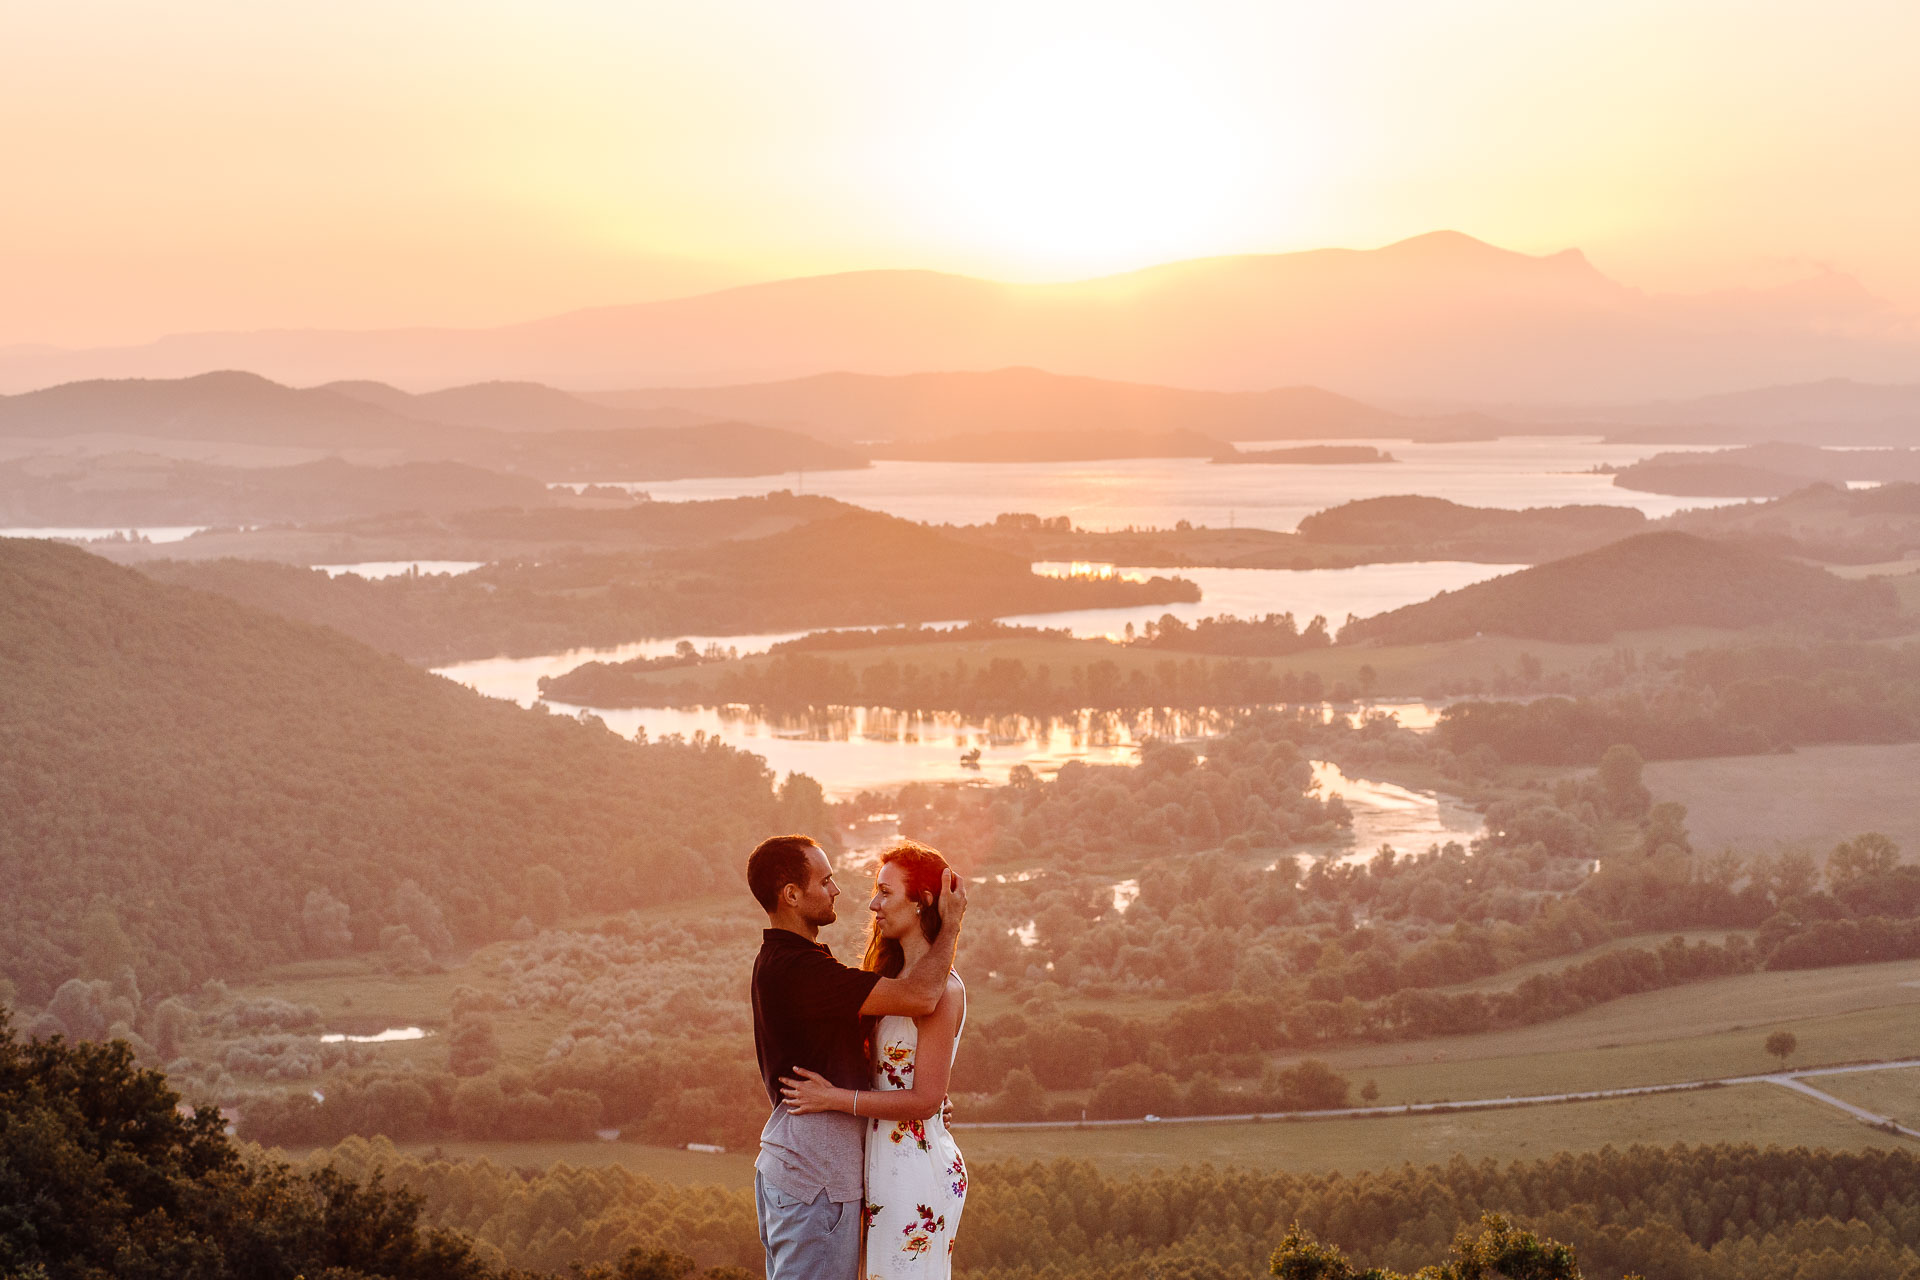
[(896, 1065), (957, 1173), (921, 1231), (915, 1129)]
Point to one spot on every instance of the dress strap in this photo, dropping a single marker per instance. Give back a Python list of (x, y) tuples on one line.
[(961, 1029)]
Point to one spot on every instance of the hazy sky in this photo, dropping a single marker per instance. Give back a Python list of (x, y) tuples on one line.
[(195, 164)]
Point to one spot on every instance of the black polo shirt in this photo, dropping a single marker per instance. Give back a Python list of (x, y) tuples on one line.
[(806, 1013)]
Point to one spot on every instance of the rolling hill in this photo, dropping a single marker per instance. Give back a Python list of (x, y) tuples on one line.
[(193, 789), (1648, 581)]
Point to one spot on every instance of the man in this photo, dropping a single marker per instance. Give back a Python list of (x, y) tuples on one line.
[(807, 1007)]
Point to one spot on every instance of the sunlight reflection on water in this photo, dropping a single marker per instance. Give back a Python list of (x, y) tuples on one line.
[(1513, 472)]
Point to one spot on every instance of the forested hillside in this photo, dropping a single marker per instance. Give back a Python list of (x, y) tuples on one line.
[(194, 788), (1644, 582)]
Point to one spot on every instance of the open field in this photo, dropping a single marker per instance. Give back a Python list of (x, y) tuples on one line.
[(1757, 1113), (1894, 1094), (669, 1164), (1707, 1029), (1812, 797)]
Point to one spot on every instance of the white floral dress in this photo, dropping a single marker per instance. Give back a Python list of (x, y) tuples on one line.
[(916, 1179)]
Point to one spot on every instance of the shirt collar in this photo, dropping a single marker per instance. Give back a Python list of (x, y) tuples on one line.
[(788, 938)]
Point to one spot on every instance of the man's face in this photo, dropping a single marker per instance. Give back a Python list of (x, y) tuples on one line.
[(817, 894)]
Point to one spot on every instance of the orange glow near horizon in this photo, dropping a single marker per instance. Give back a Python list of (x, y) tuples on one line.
[(214, 165)]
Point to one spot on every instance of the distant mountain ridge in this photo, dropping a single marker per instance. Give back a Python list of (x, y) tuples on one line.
[(927, 406), (550, 434), (1440, 315)]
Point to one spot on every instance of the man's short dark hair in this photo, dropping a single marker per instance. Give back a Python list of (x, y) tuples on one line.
[(776, 863)]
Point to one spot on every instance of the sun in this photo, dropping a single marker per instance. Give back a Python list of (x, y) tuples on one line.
[(1093, 158)]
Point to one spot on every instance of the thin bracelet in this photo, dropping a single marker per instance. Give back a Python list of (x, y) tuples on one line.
[(856, 1102)]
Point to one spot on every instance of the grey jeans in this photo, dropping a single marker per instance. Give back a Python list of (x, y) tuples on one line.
[(814, 1240)]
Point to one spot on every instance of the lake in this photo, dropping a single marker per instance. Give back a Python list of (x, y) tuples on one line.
[(1515, 472), (1363, 589)]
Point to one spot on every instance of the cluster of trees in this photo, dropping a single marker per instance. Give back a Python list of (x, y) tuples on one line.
[(1269, 636), (1407, 527), (846, 569), (102, 1174), (1254, 782), (898, 637), (194, 789), (1721, 701), (1725, 1212), (997, 686), (1641, 583)]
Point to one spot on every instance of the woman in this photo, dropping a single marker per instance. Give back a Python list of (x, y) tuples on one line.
[(916, 1179)]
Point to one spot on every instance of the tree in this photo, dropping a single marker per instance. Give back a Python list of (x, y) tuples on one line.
[(1621, 789), (1499, 1252), (327, 923), (1020, 1097), (1782, 1045), (1132, 1091), (1792, 875), (103, 1174), (472, 1048), (1861, 858)]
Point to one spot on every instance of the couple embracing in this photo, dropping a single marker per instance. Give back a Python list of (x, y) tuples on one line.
[(855, 1062)]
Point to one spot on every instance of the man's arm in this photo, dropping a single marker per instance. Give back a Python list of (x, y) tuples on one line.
[(917, 992)]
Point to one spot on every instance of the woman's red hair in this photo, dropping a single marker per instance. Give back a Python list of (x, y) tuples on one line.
[(923, 870)]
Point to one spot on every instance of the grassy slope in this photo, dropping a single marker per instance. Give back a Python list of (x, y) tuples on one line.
[(1813, 797), (1762, 1114), (1887, 1093)]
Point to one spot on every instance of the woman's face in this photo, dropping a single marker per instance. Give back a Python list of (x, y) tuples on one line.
[(894, 912)]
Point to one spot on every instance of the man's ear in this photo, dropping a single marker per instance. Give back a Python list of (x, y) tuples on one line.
[(790, 894)]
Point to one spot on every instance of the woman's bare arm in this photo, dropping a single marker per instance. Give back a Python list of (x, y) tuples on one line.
[(932, 1065)]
